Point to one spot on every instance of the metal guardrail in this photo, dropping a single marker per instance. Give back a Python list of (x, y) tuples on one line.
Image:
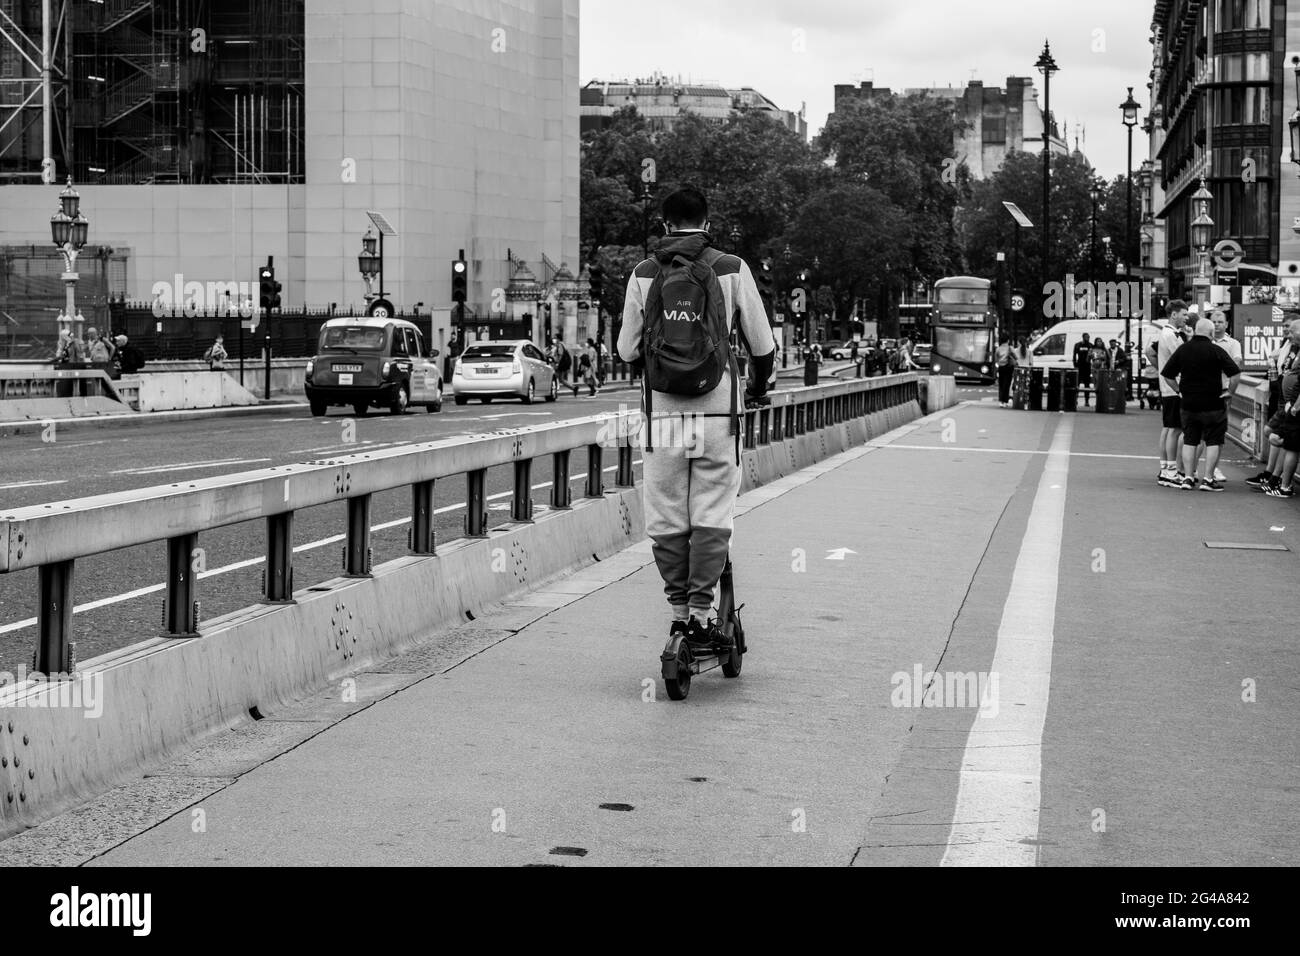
[(52, 537), (23, 383), (1247, 414)]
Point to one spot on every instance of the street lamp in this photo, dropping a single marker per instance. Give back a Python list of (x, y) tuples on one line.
[(68, 229), (1294, 121), (369, 262), (1129, 110), (1047, 66), (647, 197), (1094, 193), (1202, 231), (736, 235)]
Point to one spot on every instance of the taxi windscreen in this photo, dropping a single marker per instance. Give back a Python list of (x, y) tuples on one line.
[(352, 337)]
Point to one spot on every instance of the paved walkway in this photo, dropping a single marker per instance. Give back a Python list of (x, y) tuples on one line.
[(1034, 549)]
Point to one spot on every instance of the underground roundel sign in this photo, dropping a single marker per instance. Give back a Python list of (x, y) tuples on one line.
[(1017, 303), (1227, 254)]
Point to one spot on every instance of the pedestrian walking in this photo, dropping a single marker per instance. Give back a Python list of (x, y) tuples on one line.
[(1195, 371), (1005, 360), (587, 366), (216, 355), (69, 351)]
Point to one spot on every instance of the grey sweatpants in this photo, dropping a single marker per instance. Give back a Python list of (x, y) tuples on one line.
[(691, 483)]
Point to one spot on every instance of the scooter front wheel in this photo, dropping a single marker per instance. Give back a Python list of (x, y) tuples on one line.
[(731, 666)]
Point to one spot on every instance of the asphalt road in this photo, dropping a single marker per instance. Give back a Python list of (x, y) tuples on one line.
[(119, 594)]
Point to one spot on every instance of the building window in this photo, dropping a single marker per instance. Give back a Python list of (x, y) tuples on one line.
[(1241, 210), (1243, 15), (995, 130), (1242, 105)]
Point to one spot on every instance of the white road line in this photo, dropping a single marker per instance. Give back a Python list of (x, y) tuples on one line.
[(188, 466), (999, 792), (251, 562), (1006, 451), (33, 484)]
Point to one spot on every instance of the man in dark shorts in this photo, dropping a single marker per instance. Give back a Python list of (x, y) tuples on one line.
[(1196, 373)]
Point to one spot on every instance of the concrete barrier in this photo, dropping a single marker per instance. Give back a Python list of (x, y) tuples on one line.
[(160, 695), (172, 391), (938, 391)]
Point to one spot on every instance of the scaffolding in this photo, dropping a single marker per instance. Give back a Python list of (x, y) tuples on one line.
[(35, 47), (188, 91)]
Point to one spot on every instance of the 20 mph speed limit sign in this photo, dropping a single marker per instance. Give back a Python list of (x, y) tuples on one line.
[(1017, 303)]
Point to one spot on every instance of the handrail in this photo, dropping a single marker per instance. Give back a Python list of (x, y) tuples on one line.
[(52, 537)]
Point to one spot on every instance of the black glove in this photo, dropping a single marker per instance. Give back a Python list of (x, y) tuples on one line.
[(761, 370)]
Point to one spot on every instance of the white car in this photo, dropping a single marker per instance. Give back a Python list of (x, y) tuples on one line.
[(506, 369)]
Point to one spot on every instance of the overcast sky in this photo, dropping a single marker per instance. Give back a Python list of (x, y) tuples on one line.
[(1101, 46)]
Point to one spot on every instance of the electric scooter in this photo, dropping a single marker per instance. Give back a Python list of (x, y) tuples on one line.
[(681, 661)]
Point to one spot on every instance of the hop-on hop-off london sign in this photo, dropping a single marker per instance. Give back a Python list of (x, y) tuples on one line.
[(1263, 328)]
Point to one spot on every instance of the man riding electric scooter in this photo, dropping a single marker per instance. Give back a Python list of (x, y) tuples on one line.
[(677, 318)]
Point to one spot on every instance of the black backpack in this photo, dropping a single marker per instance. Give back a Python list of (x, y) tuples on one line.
[(685, 338), (566, 360)]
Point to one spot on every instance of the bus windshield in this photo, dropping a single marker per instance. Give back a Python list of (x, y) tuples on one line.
[(971, 346)]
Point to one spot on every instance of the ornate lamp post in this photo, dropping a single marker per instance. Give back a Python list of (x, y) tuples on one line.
[(1294, 121), (1202, 232), (1129, 109), (1094, 193), (369, 262), (68, 229), (1047, 66)]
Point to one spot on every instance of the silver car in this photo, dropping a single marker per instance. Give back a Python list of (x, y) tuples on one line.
[(505, 369)]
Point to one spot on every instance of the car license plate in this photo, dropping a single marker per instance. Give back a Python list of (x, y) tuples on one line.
[(486, 371), (346, 368), (345, 378)]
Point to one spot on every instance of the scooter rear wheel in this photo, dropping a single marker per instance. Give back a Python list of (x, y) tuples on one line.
[(677, 673)]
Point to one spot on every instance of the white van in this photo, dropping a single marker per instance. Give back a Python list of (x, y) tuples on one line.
[(1055, 347)]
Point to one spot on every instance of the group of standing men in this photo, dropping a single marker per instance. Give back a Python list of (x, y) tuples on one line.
[(1199, 367)]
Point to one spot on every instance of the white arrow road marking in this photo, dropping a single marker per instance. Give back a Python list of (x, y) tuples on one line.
[(837, 554), (1000, 788), (309, 546)]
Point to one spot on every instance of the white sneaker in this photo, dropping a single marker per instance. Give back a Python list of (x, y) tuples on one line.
[(1219, 476)]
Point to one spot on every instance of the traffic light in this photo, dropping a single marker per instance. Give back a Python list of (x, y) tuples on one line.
[(596, 280), (268, 288), (460, 280), (764, 281)]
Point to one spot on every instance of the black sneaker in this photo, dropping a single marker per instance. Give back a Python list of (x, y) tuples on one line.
[(1186, 483), (705, 634), (1260, 480), (1211, 484), (1277, 491), (677, 627)]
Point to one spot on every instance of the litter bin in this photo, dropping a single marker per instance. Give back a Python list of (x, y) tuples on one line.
[(810, 369), (1035, 402), (1112, 391), (1054, 388), (1069, 390)]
